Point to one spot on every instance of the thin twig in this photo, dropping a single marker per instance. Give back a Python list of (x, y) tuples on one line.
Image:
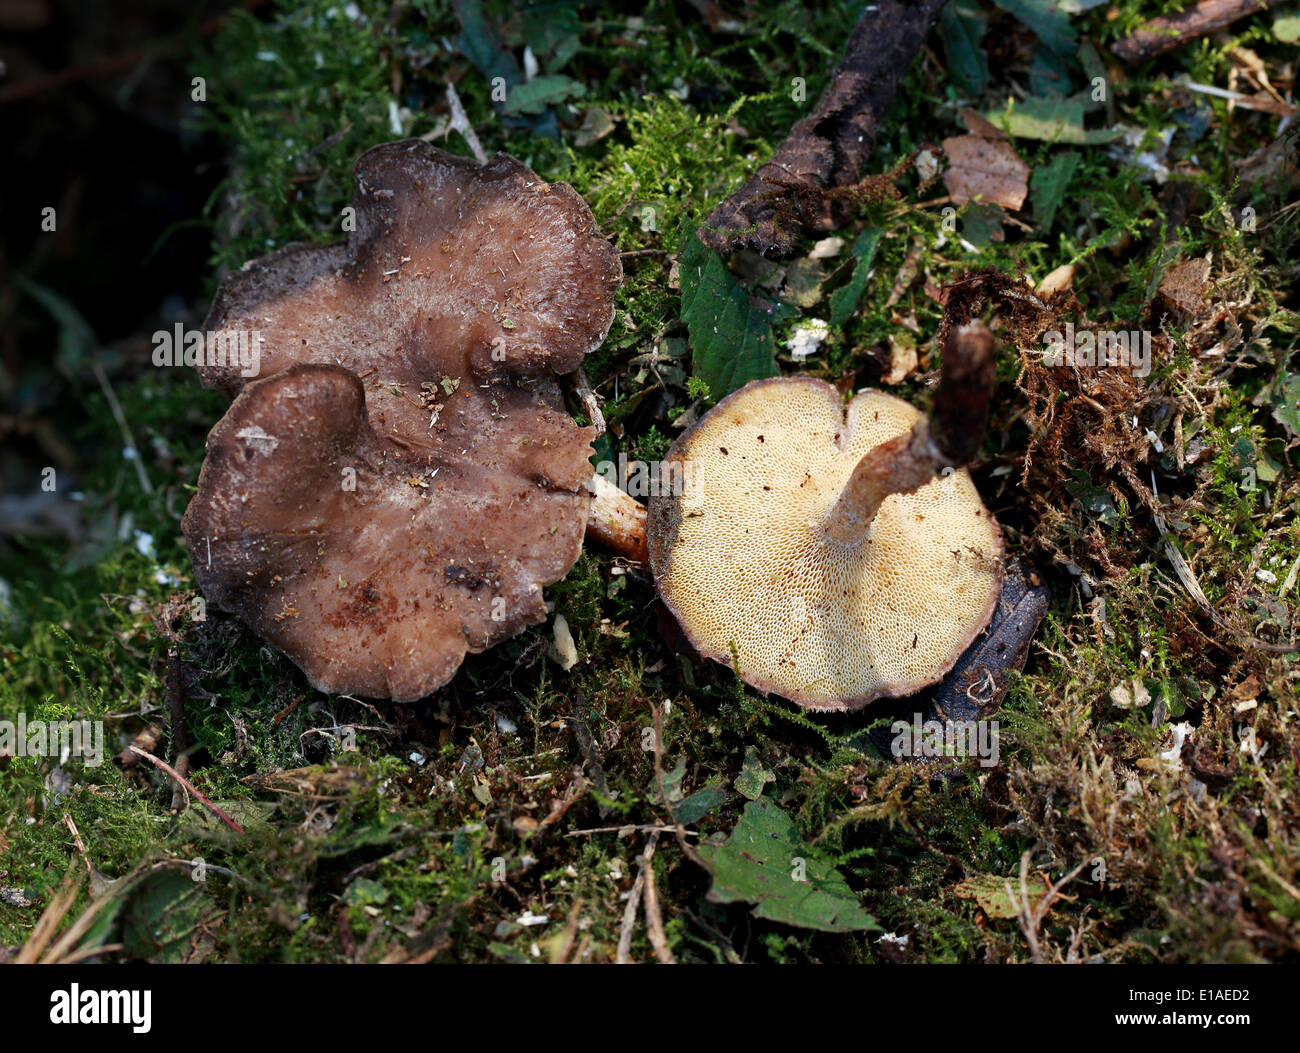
[(51, 916), (582, 388), (164, 766), (1031, 917), (654, 921), (460, 122), (623, 956), (644, 828), (115, 408), (81, 846), (679, 831)]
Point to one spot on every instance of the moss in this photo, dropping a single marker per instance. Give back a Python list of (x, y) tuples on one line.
[(440, 828)]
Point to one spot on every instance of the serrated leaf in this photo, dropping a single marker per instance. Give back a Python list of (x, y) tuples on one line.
[(1051, 120), (963, 24), (766, 863), (753, 776), (731, 331), (844, 300), (1048, 187), (990, 892)]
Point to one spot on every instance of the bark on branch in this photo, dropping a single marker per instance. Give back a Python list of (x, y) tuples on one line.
[(1172, 31), (829, 147)]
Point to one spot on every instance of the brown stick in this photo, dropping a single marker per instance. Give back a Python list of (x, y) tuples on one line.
[(1173, 31), (617, 520), (164, 766), (176, 722), (623, 954), (829, 147), (949, 439), (654, 919)]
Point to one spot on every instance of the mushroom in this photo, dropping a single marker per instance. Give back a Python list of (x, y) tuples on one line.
[(834, 560), (402, 479)]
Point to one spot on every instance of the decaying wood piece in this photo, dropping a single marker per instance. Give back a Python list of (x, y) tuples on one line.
[(975, 686), (617, 520), (829, 147), (1172, 31)]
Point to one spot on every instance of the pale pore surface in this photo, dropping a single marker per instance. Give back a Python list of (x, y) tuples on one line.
[(810, 618)]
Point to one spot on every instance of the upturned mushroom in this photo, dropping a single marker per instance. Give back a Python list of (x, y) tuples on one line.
[(402, 479), (834, 558)]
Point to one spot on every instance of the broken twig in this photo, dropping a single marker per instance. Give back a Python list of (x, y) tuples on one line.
[(189, 786), (828, 147), (1173, 31)]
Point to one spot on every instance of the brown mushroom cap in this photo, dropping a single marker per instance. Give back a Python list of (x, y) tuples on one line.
[(404, 478), (452, 267), (375, 568), (744, 557)]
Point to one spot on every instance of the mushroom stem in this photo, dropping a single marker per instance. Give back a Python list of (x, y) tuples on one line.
[(946, 441), (617, 520)]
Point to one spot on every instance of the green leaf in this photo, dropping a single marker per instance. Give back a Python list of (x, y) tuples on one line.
[(365, 892), (1286, 403), (765, 862), (731, 331), (700, 803), (1048, 186), (687, 809), (753, 776), (1287, 29), (1095, 499), (1049, 73), (162, 916), (541, 92), (963, 25), (1046, 18), (844, 300), (479, 43), (76, 339), (990, 892), (1051, 120), (981, 225)]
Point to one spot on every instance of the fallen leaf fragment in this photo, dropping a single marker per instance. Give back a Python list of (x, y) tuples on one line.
[(985, 170)]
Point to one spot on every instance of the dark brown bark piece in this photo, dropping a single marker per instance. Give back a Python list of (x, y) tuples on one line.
[(1172, 31), (829, 147), (976, 684)]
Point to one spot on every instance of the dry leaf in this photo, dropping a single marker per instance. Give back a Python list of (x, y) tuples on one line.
[(985, 170), (902, 361), (978, 125), (1183, 285)]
